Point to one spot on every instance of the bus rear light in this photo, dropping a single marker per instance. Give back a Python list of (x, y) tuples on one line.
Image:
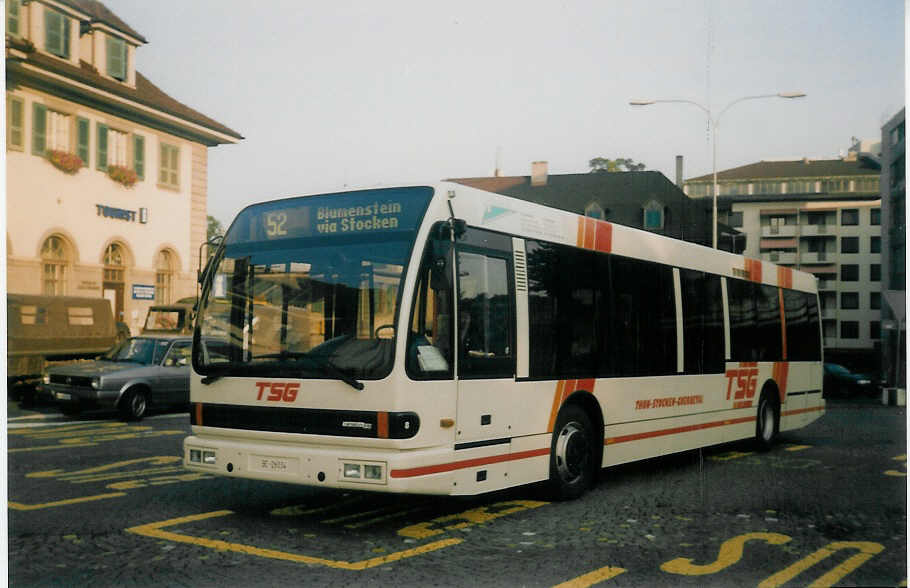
[(203, 456)]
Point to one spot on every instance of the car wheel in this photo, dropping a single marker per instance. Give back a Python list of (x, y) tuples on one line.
[(767, 422), (134, 405), (572, 467)]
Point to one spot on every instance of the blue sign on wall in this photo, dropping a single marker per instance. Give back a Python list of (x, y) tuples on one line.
[(143, 292)]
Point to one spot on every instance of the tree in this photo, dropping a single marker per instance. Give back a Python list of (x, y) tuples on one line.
[(214, 228), (603, 165)]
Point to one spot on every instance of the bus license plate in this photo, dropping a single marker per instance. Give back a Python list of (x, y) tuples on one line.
[(273, 465)]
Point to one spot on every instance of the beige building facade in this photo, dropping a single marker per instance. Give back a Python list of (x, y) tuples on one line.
[(106, 174), (823, 217)]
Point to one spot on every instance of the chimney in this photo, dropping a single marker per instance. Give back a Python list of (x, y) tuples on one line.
[(539, 173), (679, 171)]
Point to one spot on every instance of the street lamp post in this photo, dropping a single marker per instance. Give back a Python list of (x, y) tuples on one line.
[(714, 122)]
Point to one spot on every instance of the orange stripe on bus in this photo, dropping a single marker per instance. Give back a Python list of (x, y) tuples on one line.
[(785, 277), (783, 322), (753, 269), (382, 425), (199, 413), (557, 401), (802, 410), (589, 233), (779, 373), (467, 463), (580, 239)]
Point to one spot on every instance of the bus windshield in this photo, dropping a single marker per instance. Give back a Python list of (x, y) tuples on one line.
[(310, 287)]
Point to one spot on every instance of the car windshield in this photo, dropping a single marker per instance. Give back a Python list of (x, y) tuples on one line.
[(139, 350), (310, 287), (160, 319)]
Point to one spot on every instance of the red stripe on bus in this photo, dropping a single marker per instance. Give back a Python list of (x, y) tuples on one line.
[(382, 425), (802, 410), (676, 430), (198, 414), (603, 236), (589, 233), (467, 463), (780, 373), (753, 269)]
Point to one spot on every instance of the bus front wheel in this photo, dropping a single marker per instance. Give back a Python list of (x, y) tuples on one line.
[(572, 467), (767, 422)]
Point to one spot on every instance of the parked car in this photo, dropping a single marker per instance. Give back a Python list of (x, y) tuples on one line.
[(840, 381), (140, 372)]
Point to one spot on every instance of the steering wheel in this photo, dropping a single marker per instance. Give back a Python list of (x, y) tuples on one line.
[(381, 327)]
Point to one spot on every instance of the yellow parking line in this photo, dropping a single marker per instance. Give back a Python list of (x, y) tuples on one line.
[(592, 578), (68, 501), (155, 530), (46, 447), (797, 447)]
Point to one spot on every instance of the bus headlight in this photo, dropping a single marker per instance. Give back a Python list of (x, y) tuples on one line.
[(46, 378), (368, 472)]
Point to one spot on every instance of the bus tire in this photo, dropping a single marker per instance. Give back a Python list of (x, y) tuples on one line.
[(767, 421), (134, 404), (572, 450)]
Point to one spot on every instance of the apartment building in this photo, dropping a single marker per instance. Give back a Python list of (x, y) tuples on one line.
[(894, 252), (823, 217), (106, 173)]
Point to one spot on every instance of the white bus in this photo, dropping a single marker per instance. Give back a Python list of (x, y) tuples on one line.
[(447, 340)]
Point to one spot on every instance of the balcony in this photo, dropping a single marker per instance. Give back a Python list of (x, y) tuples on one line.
[(785, 231), (781, 257), (817, 257), (818, 231)]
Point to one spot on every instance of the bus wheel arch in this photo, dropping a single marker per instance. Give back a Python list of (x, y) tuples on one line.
[(767, 418), (576, 447)]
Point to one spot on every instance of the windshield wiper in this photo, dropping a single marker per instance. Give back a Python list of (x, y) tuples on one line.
[(326, 366)]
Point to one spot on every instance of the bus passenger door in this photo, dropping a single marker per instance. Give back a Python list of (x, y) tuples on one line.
[(486, 343)]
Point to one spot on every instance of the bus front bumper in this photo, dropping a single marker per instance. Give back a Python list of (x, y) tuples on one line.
[(315, 465)]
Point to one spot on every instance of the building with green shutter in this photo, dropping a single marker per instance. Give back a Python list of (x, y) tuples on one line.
[(106, 173)]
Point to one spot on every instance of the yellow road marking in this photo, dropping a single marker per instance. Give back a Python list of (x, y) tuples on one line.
[(68, 501), (46, 447), (387, 517), (897, 473), (797, 447), (731, 455), (160, 460), (156, 530), (301, 509), (731, 551), (592, 578), (867, 550)]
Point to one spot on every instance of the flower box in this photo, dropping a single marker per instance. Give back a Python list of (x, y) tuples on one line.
[(65, 162), (122, 174)]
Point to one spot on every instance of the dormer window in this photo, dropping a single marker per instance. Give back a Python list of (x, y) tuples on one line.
[(653, 215), (116, 58), (56, 33)]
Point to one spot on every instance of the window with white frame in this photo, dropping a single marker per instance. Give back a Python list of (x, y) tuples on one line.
[(13, 17), (54, 261), (58, 131), (117, 142), (164, 277), (15, 123)]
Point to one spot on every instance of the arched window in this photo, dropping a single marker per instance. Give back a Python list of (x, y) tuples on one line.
[(653, 216), (164, 277), (594, 210), (113, 263), (54, 261)]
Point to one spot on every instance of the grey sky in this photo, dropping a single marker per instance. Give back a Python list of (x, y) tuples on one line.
[(335, 93)]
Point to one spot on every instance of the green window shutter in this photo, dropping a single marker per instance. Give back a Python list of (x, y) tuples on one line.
[(102, 147), (116, 58), (39, 129), (65, 24), (12, 17), (82, 139), (53, 40), (15, 124), (139, 156)]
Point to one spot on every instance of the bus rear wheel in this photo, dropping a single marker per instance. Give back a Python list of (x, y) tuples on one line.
[(572, 467), (767, 423)]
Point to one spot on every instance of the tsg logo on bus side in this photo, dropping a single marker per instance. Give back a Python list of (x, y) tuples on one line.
[(278, 391), (746, 379)]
